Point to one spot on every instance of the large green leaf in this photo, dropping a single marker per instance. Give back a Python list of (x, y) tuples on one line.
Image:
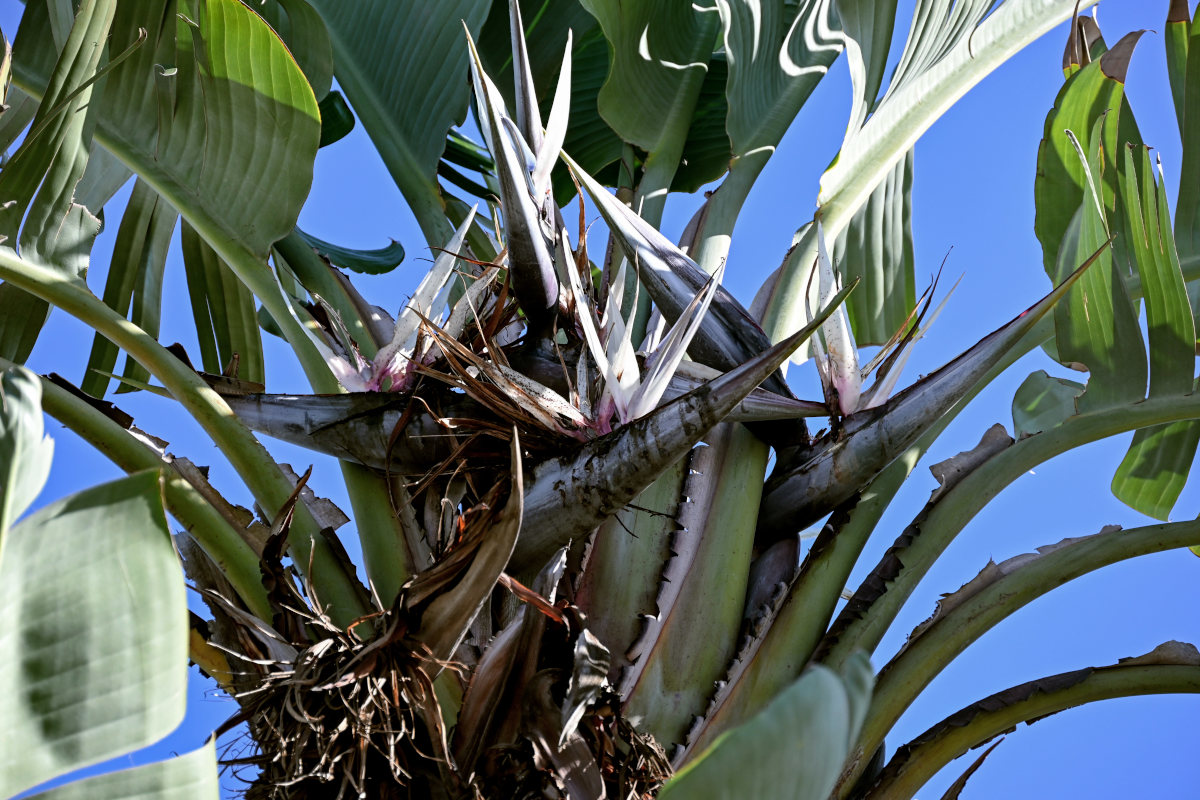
[(212, 79), (38, 183), (1095, 92), (660, 53), (946, 54), (868, 27), (1172, 333), (403, 65), (191, 776), (368, 262), (1096, 325), (877, 247), (307, 38), (877, 244), (794, 749), (93, 632), (777, 53), (136, 270), (24, 452), (213, 113), (706, 150), (1153, 472), (941, 63)]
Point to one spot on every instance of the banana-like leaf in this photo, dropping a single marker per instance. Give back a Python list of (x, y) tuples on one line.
[(794, 749), (877, 246), (868, 28), (223, 308), (38, 182), (946, 55), (191, 776), (1153, 472), (877, 243), (828, 472), (303, 31), (214, 73), (367, 262), (14, 120), (102, 178), (1171, 331), (1042, 402), (25, 453), (949, 50), (1096, 327), (777, 52), (402, 64), (1095, 92), (660, 53), (93, 628), (940, 64), (706, 150), (135, 271)]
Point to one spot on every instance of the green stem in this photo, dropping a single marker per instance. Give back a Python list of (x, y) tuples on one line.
[(943, 520), (385, 557), (928, 653), (246, 454), (917, 762), (711, 246), (385, 553), (220, 540)]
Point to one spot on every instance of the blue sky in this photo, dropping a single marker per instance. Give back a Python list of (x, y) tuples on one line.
[(973, 193)]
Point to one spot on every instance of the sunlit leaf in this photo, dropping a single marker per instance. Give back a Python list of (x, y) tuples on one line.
[(90, 589), (1096, 327), (1153, 472)]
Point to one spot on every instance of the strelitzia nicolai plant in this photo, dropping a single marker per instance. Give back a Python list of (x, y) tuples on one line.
[(566, 594)]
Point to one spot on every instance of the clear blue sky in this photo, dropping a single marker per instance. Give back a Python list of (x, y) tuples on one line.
[(973, 193)]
